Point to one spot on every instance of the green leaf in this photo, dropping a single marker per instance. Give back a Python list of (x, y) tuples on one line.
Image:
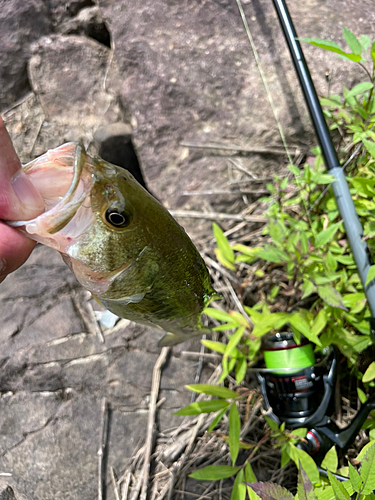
[(368, 471), (234, 432), (239, 487), (370, 274), (338, 488), (276, 231), (252, 494), (352, 41), (330, 460), (331, 47), (218, 314), (319, 322), (241, 369), (308, 287), (361, 395), (328, 493), (331, 262), (369, 373), (203, 407), (216, 420), (364, 450), (355, 478), (272, 255), (305, 488), (331, 296), (234, 340), (250, 477), (373, 52), (213, 390), (271, 423), (295, 170), (326, 235), (299, 456), (214, 346), (359, 89), (271, 491), (365, 41), (285, 458), (223, 260), (370, 146), (299, 323), (214, 472), (223, 243)]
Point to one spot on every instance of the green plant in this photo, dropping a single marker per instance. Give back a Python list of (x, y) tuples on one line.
[(307, 283), (360, 483)]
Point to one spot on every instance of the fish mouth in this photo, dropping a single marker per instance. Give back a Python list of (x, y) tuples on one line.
[(64, 179)]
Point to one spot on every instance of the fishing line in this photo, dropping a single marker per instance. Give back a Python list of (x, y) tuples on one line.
[(269, 96), (264, 80)]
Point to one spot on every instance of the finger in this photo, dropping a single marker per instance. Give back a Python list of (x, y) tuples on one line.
[(19, 200), (15, 249)]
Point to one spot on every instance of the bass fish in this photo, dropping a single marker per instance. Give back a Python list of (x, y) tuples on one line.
[(120, 242)]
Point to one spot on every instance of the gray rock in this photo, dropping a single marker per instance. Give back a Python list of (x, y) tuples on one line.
[(21, 23), (53, 376), (188, 74), (62, 10), (67, 73), (88, 22)]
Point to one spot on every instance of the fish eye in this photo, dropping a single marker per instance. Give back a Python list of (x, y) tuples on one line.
[(117, 219)]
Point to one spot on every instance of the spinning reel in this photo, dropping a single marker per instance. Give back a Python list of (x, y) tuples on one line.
[(298, 390)]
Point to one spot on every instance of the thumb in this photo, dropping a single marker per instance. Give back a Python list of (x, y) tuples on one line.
[(19, 199)]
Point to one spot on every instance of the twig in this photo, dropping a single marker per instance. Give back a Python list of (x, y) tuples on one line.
[(137, 487), (156, 376), (102, 448), (192, 214), (88, 317), (242, 169), (31, 149), (114, 483), (125, 488), (224, 191), (207, 355), (234, 147), (236, 301), (219, 268)]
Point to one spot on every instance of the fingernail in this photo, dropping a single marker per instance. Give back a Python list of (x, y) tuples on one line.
[(27, 194)]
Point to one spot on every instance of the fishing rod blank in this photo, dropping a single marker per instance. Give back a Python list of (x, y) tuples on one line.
[(340, 186)]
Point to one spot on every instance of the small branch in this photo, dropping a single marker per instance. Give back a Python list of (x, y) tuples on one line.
[(114, 483), (125, 488), (216, 216), (234, 147), (102, 448), (88, 317), (155, 387)]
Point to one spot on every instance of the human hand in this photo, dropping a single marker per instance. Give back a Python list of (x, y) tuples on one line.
[(19, 200)]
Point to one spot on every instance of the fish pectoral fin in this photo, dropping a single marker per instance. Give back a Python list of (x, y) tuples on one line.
[(172, 339), (136, 280)]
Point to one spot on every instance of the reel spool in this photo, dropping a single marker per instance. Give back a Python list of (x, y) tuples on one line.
[(296, 389)]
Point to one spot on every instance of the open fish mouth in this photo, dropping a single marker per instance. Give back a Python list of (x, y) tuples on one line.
[(64, 179)]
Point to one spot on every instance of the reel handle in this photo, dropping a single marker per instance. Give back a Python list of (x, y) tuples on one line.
[(321, 438)]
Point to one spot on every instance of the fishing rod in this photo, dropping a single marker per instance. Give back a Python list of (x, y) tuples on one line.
[(298, 389), (340, 186)]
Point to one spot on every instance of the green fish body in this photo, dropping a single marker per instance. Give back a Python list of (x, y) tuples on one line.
[(121, 243)]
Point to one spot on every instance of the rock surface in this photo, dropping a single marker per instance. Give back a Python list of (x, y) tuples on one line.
[(54, 375), (21, 23), (188, 74)]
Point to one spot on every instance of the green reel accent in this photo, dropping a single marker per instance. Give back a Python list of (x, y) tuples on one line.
[(298, 357)]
